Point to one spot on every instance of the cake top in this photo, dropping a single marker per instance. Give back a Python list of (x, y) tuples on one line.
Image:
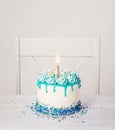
[(64, 78)]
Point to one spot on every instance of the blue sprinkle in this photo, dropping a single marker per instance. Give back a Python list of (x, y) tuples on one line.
[(23, 112), (41, 110), (56, 112), (83, 121), (31, 107)]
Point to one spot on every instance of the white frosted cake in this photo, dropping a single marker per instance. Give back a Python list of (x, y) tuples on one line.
[(58, 95)]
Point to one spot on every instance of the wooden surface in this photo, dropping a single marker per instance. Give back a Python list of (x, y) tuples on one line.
[(15, 113)]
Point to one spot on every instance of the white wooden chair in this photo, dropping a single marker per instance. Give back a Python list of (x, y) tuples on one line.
[(80, 54)]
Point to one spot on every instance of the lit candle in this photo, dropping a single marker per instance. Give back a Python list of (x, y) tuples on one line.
[(57, 66)]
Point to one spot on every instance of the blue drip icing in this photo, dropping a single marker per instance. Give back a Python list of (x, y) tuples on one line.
[(79, 85), (46, 88), (65, 90), (71, 87), (58, 85), (39, 86), (54, 89)]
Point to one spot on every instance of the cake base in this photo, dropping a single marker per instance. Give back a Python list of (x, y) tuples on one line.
[(57, 112)]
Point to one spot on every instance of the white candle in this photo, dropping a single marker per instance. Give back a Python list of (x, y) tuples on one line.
[(57, 66)]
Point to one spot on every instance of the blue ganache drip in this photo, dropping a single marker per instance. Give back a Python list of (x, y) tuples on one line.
[(65, 79)]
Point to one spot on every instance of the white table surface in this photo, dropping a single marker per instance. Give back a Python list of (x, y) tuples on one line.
[(15, 113)]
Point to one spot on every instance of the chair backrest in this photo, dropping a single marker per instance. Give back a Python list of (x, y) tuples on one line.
[(79, 54)]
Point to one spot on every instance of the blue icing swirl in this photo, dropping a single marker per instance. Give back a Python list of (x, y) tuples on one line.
[(42, 77), (65, 79), (72, 78), (62, 80), (51, 79)]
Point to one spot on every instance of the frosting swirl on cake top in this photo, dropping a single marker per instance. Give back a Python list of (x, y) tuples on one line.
[(65, 78)]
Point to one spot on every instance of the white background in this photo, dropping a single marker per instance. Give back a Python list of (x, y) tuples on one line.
[(57, 18)]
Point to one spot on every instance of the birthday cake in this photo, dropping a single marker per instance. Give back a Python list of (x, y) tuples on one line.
[(58, 95)]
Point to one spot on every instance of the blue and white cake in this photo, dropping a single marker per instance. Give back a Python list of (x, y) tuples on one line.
[(58, 95)]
